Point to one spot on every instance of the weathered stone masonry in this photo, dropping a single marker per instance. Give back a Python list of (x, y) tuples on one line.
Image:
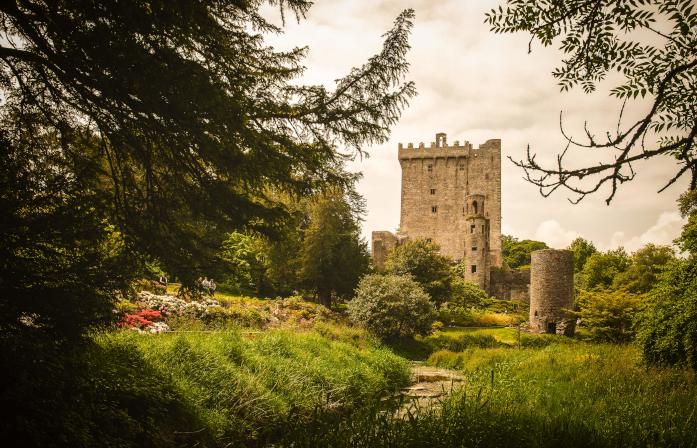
[(551, 291), (435, 184)]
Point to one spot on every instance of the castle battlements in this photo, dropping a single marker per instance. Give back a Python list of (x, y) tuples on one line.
[(441, 149), (435, 184)]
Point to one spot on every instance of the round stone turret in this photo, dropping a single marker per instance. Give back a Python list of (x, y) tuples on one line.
[(552, 291), (477, 243)]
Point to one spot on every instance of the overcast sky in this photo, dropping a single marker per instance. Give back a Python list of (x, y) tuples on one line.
[(475, 85)]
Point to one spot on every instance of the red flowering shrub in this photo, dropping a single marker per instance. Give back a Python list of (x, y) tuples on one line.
[(143, 319)]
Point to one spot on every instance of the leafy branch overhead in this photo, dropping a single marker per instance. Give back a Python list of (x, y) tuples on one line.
[(195, 120), (595, 38)]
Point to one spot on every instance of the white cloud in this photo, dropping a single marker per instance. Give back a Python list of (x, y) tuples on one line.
[(475, 85), (666, 229), (554, 235)]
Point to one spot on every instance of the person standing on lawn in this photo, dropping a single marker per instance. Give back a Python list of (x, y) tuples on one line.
[(212, 288), (206, 285)]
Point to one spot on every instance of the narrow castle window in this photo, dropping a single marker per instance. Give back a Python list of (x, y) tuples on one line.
[(463, 211), (433, 191), (474, 205), (472, 229), (430, 168), (462, 167), (474, 248), (482, 229), (474, 268), (434, 209)]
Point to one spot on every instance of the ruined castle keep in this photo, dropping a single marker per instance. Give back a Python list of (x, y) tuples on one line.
[(436, 182), (452, 195)]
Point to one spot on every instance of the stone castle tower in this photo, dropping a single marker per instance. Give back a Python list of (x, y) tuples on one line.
[(452, 195), (477, 242), (444, 192)]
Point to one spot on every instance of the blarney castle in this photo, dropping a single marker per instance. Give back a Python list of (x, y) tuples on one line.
[(451, 194)]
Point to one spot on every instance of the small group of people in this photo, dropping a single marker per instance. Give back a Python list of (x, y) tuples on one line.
[(207, 286)]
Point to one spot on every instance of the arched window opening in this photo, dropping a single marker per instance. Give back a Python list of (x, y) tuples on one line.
[(474, 206)]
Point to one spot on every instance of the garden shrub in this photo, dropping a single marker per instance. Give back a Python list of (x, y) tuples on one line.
[(392, 306), (467, 294), (608, 314)]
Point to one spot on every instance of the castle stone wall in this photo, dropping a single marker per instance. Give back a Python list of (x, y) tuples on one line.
[(513, 284), (383, 242), (436, 181), (551, 291)]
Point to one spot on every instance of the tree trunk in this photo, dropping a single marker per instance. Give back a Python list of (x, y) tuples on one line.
[(324, 297)]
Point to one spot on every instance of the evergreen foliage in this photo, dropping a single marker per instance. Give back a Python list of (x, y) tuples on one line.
[(159, 128), (333, 257), (421, 260)]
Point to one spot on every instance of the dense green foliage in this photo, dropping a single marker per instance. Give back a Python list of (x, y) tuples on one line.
[(56, 246), (333, 257), (652, 43), (245, 261), (668, 327), (611, 287), (610, 314), (601, 268), (392, 306), (646, 263), (467, 294), (421, 260), (517, 253), (216, 389), (582, 251), (320, 253), (169, 125)]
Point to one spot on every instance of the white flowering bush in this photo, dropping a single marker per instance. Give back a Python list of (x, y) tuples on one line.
[(174, 306)]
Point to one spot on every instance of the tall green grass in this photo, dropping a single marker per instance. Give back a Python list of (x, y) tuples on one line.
[(568, 396), (220, 389), (602, 387)]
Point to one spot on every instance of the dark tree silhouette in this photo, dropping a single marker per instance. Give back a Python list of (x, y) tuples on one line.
[(593, 40)]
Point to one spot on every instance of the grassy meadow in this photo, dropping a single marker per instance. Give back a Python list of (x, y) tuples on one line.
[(566, 393), (307, 378)]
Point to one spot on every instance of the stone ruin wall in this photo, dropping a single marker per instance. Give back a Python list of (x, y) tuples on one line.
[(513, 284), (552, 291), (383, 242), (435, 183)]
